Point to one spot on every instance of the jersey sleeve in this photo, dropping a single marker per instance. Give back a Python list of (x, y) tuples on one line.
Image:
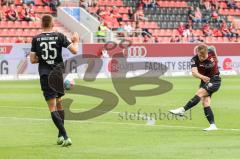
[(65, 42), (34, 48), (193, 62)]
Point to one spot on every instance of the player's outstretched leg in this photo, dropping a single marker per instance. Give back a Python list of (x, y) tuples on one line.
[(209, 114), (191, 103)]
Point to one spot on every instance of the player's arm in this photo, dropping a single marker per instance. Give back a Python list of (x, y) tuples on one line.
[(196, 74), (33, 58), (33, 54), (73, 47)]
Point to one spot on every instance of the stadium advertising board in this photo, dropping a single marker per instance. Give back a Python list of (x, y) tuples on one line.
[(175, 56), (159, 50), (14, 58)]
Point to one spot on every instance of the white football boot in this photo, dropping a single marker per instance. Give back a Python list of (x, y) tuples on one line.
[(212, 127), (179, 111)]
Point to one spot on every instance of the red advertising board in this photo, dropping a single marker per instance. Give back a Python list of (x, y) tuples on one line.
[(159, 50), (5, 49)]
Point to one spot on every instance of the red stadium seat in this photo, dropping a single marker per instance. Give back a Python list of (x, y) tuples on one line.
[(209, 39), (123, 10), (225, 39), (18, 2), (12, 40), (17, 24), (11, 32), (223, 5), (31, 24), (39, 2), (10, 24), (6, 40), (4, 32), (92, 9), (152, 25), (3, 24), (119, 3), (19, 32), (29, 39), (102, 2), (170, 4), (24, 24), (1, 40), (40, 9), (137, 40), (220, 39), (47, 9), (221, 11), (231, 12), (38, 24), (185, 39)]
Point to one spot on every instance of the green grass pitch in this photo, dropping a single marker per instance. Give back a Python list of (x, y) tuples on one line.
[(26, 131)]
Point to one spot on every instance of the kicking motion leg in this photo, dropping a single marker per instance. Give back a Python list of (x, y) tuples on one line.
[(191, 103)]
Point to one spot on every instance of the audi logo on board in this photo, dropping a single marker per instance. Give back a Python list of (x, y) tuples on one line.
[(135, 51)]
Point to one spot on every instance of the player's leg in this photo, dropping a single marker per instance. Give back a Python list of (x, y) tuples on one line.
[(56, 117), (63, 140), (60, 111), (201, 92), (206, 102), (50, 97)]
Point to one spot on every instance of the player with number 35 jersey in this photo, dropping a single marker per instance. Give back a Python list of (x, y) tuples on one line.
[(47, 51)]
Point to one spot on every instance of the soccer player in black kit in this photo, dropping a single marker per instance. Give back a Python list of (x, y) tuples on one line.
[(205, 67), (47, 51)]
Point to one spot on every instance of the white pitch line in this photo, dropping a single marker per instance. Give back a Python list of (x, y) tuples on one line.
[(114, 123), (42, 108), (149, 120)]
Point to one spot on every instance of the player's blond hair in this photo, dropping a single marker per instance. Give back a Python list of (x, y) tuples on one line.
[(202, 49)]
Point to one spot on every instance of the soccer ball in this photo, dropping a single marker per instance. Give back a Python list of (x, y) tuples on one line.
[(69, 84)]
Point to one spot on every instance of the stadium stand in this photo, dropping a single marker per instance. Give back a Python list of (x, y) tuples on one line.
[(21, 30), (150, 21), (162, 20)]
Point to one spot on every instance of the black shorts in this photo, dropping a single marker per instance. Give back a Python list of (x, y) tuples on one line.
[(212, 86), (52, 86)]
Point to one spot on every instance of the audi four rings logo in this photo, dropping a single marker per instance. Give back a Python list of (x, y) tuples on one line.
[(136, 51)]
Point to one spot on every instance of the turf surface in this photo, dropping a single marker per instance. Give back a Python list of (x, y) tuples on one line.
[(26, 131)]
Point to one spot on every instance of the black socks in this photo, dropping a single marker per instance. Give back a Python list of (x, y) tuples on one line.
[(59, 124), (194, 101), (62, 115), (209, 114)]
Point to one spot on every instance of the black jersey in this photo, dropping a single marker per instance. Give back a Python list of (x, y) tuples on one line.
[(48, 48), (208, 67)]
